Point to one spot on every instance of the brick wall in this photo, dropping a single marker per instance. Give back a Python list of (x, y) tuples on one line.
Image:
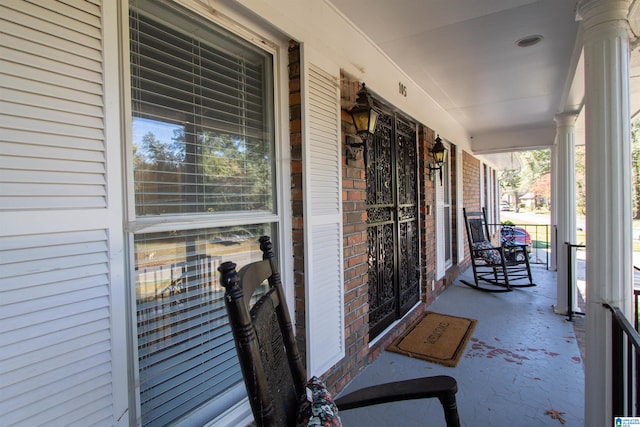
[(355, 246), (356, 309), (470, 186), (297, 220), (358, 352), (426, 139), (355, 252), (470, 181)]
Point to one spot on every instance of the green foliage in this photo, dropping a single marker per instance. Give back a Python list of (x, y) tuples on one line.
[(535, 164), (203, 172)]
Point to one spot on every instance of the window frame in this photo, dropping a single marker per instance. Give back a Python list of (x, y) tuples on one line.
[(444, 200), (448, 205), (275, 44)]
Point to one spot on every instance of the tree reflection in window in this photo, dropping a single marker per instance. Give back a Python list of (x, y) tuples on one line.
[(191, 172)]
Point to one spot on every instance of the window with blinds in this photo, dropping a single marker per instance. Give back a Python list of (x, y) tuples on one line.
[(186, 353), (203, 144), (202, 117)]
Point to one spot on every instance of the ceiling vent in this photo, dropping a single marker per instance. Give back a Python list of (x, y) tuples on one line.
[(529, 41)]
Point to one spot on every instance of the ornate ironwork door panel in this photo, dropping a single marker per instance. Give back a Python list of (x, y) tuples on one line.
[(392, 209)]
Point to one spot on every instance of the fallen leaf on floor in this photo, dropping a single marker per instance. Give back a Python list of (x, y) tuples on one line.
[(555, 415)]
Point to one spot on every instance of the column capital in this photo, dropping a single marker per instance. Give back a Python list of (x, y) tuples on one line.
[(565, 119), (596, 12)]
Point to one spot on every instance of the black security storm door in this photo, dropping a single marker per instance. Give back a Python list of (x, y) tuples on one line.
[(392, 209)]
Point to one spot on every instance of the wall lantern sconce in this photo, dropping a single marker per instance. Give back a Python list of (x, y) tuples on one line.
[(365, 117), (439, 153)]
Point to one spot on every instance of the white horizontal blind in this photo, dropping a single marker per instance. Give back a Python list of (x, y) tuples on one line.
[(323, 223), (52, 148), (202, 108), (186, 352), (202, 105)]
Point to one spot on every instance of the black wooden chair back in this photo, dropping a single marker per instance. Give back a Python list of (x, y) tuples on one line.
[(269, 358), (272, 367), (477, 228)]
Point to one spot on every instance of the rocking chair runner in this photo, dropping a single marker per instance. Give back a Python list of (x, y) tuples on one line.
[(500, 266), (272, 366)]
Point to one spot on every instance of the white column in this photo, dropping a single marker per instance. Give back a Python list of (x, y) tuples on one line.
[(565, 210), (608, 175), (553, 220)]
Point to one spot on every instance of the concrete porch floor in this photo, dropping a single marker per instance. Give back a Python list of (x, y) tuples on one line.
[(522, 360)]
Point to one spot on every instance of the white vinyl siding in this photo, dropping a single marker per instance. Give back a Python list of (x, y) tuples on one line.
[(56, 263), (323, 215)]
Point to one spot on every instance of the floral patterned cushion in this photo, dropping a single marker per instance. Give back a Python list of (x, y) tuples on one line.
[(486, 251), (317, 407)]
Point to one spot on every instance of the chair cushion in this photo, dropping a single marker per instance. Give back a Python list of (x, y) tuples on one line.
[(316, 406), (487, 252)]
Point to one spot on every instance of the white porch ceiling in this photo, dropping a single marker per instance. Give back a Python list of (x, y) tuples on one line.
[(464, 54)]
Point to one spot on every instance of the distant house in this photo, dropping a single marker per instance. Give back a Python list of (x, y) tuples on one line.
[(527, 201)]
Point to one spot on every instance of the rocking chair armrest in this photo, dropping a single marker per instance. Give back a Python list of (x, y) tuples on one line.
[(490, 248), (480, 251), (485, 245), (443, 387), (522, 246)]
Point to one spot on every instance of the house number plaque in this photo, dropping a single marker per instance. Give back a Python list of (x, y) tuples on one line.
[(402, 89)]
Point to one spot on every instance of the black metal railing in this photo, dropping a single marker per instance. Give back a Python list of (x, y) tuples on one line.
[(540, 240), (571, 250), (625, 365), (636, 304)]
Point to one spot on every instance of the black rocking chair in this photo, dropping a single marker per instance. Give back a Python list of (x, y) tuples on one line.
[(503, 267), (271, 365)]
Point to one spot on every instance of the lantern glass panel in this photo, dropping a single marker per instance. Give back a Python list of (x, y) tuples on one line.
[(373, 119), (361, 120)]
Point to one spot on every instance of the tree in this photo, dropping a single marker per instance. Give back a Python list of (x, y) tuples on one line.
[(510, 184), (535, 164), (542, 189), (202, 170), (236, 171)]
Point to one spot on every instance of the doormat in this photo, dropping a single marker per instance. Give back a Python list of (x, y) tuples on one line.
[(435, 337)]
